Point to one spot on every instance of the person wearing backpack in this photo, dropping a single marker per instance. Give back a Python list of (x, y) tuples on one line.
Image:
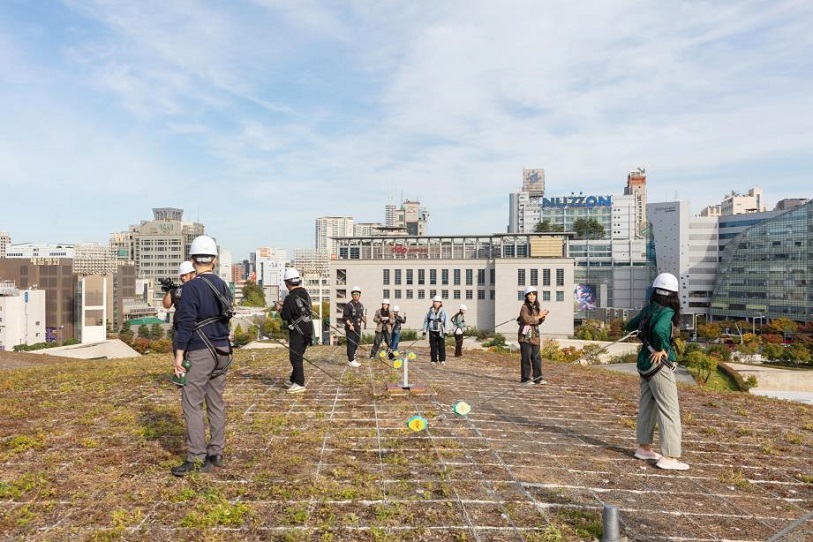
[(530, 316), (296, 310), (202, 355), (656, 324)]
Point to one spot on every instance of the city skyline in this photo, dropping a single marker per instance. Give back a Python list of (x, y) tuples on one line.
[(257, 118)]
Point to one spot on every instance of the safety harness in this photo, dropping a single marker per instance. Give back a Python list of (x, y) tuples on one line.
[(226, 314), (644, 331)]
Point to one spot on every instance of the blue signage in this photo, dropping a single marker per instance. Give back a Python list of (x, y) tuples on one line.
[(578, 201), (26, 296)]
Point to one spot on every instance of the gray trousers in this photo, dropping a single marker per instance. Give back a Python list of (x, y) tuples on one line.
[(659, 403), (201, 387)]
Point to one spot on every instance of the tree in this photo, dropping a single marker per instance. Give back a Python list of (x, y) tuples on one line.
[(241, 338), (156, 332), (588, 228), (545, 226), (709, 331), (253, 295), (126, 333), (143, 332), (703, 363)]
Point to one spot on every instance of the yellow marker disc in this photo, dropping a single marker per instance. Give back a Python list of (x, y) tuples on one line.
[(396, 353), (461, 408), (411, 355), (397, 363), (382, 354), (416, 423)]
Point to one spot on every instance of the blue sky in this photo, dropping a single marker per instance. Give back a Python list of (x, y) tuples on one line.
[(257, 116)]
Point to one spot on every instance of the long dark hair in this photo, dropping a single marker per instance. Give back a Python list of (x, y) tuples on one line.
[(672, 301), (535, 304)]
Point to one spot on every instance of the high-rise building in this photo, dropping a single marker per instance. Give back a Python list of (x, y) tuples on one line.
[(766, 271), (607, 238), (328, 228), (413, 218), (5, 242), (690, 247), (157, 247)]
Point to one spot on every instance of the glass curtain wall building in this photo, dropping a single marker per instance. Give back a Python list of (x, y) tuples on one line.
[(766, 272)]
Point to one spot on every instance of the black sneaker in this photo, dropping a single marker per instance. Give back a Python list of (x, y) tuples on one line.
[(216, 460), (188, 467)]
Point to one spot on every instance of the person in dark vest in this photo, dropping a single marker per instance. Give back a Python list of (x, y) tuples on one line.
[(202, 356), (296, 311), (657, 323), (353, 317)]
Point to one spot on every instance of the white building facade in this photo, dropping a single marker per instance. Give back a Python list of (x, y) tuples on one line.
[(486, 273), (22, 316)]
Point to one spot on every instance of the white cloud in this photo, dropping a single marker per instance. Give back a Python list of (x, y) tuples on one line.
[(261, 115)]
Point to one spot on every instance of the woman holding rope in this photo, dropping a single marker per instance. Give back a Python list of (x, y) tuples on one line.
[(530, 316), (656, 358)]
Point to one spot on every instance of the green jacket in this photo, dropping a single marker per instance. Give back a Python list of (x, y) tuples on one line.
[(659, 336)]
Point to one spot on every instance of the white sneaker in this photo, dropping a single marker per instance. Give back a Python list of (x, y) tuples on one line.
[(640, 453), (354, 363), (295, 388), (288, 383), (670, 463)]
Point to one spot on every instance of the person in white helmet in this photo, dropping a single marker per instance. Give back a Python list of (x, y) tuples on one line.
[(383, 327), (459, 324), (531, 315), (435, 322), (657, 324), (186, 272), (296, 311), (353, 317), (202, 344), (398, 320)]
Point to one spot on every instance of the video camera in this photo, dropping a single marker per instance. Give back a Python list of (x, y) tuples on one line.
[(168, 284)]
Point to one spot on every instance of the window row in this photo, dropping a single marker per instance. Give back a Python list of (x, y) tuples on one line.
[(522, 277), (409, 277)]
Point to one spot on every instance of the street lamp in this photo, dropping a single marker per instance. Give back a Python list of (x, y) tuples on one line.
[(754, 323)]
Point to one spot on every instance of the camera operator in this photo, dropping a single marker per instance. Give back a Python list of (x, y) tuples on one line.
[(172, 297)]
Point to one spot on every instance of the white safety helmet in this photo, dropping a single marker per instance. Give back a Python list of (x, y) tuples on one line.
[(665, 283), (203, 245), (291, 275), (396, 308), (385, 301), (355, 289), (185, 267), (437, 298), (530, 289), (463, 308)]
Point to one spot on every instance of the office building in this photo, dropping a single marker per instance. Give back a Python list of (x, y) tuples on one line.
[(328, 228), (22, 316), (487, 273), (5, 242), (766, 271), (55, 277)]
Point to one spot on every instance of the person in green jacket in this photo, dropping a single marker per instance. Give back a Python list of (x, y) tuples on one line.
[(656, 363)]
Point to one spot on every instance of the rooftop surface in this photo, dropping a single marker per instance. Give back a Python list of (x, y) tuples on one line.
[(86, 447)]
